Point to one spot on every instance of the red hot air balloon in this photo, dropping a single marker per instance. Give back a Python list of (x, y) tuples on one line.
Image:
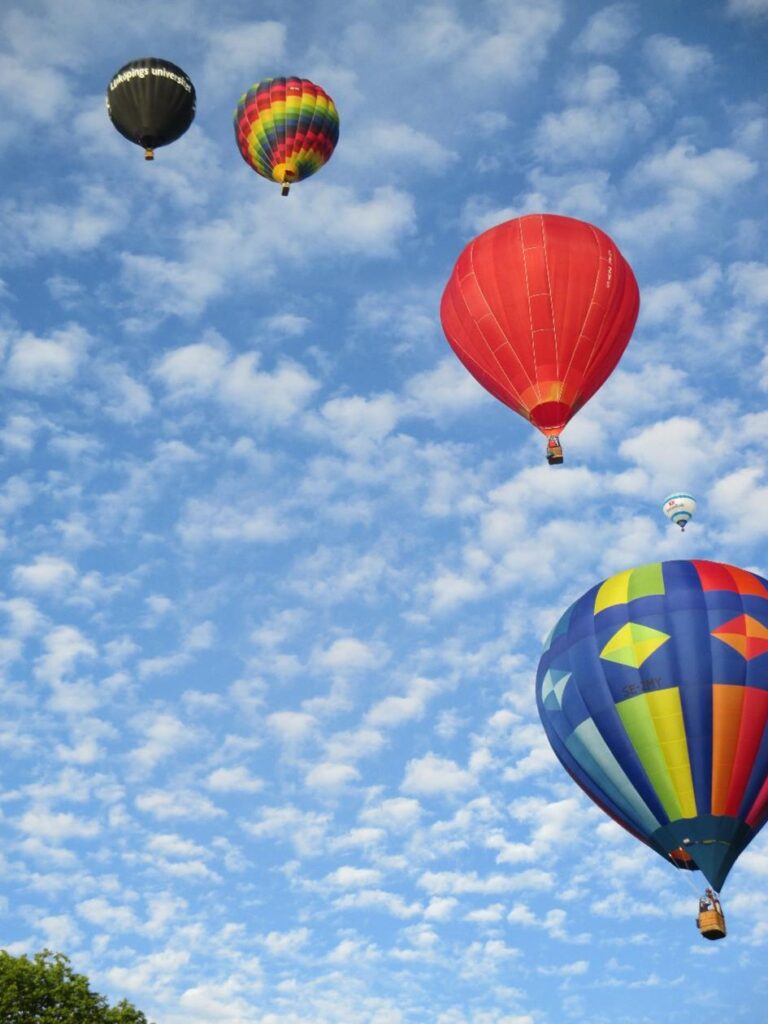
[(539, 309)]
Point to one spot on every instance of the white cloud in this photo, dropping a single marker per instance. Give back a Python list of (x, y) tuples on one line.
[(40, 227), (381, 900), (445, 391), (750, 282), (353, 878), (328, 776), (128, 401), (398, 814), (46, 573), (436, 776), (608, 30), (671, 451), (514, 50), (19, 432), (101, 912), (676, 61), (30, 91), (52, 825), (741, 499), (388, 143), (24, 614), (170, 845), (216, 1003), (288, 944), (306, 830), (64, 646), (288, 324), (712, 173), (233, 780), (348, 654), (204, 521), (60, 931), (237, 51), (583, 134), (237, 384), (332, 222), (681, 181), (164, 735), (458, 883), (292, 727), (167, 804), (46, 364)]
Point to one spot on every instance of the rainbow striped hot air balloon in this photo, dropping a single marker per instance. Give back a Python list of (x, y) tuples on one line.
[(653, 691), (286, 129)]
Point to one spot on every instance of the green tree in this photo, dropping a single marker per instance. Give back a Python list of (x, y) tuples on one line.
[(45, 990)]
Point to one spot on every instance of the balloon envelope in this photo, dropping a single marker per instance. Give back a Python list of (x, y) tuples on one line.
[(286, 128), (679, 508), (151, 102), (653, 691), (539, 310)]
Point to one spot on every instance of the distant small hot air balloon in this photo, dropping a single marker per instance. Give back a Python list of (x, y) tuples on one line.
[(151, 102), (653, 692), (679, 508), (286, 129), (539, 309)]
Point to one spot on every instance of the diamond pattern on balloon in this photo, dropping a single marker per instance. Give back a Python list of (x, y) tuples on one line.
[(745, 634), (633, 644), (552, 688)]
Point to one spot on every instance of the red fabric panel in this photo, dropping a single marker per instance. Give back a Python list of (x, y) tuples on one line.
[(754, 717), (758, 812), (716, 576)]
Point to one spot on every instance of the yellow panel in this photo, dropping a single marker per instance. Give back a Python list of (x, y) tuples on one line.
[(667, 714), (614, 591)]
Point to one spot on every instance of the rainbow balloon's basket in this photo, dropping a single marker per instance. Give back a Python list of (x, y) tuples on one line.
[(711, 919)]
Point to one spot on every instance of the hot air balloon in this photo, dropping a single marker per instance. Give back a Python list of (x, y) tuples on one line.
[(539, 309), (653, 692), (151, 102), (679, 508), (286, 129)]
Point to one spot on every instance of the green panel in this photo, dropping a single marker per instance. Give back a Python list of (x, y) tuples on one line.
[(638, 723), (646, 581)]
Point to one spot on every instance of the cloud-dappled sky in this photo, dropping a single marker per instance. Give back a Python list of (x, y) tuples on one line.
[(277, 571)]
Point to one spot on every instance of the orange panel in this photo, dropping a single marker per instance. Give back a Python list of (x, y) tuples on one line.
[(727, 703)]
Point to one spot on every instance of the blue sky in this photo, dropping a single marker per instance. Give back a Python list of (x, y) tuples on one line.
[(277, 571)]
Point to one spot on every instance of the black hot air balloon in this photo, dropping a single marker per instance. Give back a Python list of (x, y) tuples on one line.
[(151, 102)]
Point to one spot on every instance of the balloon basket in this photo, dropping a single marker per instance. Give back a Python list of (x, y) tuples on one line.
[(711, 924), (711, 920)]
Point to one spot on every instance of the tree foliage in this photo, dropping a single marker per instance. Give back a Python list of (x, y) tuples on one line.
[(45, 990)]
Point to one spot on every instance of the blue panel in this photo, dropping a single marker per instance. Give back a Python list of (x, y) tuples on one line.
[(596, 760)]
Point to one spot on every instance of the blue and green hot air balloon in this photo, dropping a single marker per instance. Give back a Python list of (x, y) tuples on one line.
[(653, 691)]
